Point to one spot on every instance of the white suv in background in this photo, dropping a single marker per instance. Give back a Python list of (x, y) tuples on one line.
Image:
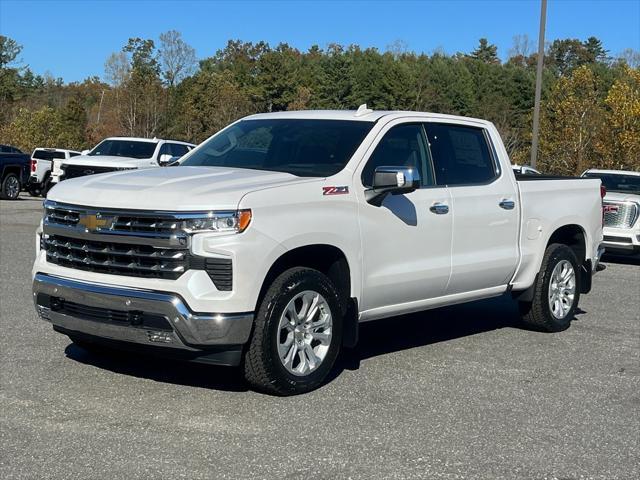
[(41, 166), (121, 153)]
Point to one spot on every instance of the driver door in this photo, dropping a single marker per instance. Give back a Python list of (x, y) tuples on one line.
[(406, 242)]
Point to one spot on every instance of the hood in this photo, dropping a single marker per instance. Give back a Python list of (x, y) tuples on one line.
[(169, 188), (103, 161), (622, 197)]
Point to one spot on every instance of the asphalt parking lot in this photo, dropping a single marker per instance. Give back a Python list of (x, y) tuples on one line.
[(459, 392)]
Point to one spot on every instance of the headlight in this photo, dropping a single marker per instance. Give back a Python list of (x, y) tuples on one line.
[(223, 222)]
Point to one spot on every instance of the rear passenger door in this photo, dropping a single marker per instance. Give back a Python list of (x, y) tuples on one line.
[(485, 210)]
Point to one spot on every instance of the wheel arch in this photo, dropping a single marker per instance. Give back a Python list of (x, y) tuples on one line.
[(15, 169), (332, 262), (573, 236)]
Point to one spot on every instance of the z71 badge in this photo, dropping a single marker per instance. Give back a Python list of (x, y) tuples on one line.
[(335, 190)]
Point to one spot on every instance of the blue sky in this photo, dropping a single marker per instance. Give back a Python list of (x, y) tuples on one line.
[(72, 39)]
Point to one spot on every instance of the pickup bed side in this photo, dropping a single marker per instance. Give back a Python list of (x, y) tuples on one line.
[(572, 216)]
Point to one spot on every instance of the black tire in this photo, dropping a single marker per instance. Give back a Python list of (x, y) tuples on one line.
[(46, 186), (263, 369), (537, 313), (34, 191), (10, 189)]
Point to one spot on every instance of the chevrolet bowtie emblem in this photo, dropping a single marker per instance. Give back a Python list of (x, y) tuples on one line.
[(94, 222)]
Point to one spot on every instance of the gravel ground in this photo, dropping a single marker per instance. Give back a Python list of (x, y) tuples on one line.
[(458, 392)]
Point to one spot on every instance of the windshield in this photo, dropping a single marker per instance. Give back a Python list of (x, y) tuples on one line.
[(306, 148), (618, 183), (47, 154), (124, 148)]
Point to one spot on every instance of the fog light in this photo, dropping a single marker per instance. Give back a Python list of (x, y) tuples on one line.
[(159, 336), (44, 312)]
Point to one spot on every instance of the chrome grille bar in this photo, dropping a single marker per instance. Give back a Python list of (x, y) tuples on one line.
[(120, 259)]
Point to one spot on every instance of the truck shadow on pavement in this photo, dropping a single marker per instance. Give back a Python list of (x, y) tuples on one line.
[(161, 369), (376, 338), (621, 259)]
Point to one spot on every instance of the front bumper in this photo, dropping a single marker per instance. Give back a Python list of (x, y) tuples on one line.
[(33, 181), (620, 240), (137, 316)]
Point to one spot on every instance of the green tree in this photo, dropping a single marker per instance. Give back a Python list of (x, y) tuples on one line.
[(486, 52)]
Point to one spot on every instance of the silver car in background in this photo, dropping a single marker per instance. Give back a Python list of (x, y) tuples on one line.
[(621, 209)]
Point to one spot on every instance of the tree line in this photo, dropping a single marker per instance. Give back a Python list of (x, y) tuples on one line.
[(590, 108)]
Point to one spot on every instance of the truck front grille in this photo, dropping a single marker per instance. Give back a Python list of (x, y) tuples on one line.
[(136, 243), (113, 221), (620, 214), (116, 258), (74, 171)]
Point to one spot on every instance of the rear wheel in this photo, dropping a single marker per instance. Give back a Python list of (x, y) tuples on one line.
[(10, 188), (297, 334), (556, 291), (46, 186)]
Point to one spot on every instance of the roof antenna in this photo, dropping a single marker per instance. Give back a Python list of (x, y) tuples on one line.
[(363, 110)]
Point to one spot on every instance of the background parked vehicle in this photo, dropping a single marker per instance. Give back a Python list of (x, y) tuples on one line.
[(41, 167), (9, 149), (121, 153), (14, 171), (621, 209)]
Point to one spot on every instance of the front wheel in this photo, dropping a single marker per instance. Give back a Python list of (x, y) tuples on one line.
[(297, 334), (556, 291), (10, 188)]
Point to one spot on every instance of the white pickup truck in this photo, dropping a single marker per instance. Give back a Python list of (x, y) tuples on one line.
[(621, 210), (42, 160), (120, 153), (276, 237)]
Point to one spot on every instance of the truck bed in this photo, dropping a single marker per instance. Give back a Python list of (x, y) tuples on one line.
[(548, 203)]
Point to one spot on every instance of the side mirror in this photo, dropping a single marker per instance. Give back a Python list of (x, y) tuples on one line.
[(84, 152), (165, 160), (392, 180)]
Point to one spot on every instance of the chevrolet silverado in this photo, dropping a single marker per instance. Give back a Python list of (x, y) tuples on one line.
[(274, 239)]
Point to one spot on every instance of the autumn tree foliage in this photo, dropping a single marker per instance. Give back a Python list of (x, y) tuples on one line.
[(590, 109)]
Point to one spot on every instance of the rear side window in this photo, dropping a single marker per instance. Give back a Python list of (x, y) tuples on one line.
[(402, 146), (461, 154), (47, 154)]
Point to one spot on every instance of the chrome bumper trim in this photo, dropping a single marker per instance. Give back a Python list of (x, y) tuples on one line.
[(190, 330)]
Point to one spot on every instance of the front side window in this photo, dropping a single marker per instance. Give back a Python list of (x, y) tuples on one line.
[(401, 146), (177, 149), (165, 149), (124, 148), (460, 154), (306, 148)]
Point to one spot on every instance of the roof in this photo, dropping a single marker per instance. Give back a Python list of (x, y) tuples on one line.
[(612, 172), (56, 149), (149, 140), (372, 116)]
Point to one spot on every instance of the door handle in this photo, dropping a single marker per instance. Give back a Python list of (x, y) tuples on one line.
[(439, 208), (507, 204)]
